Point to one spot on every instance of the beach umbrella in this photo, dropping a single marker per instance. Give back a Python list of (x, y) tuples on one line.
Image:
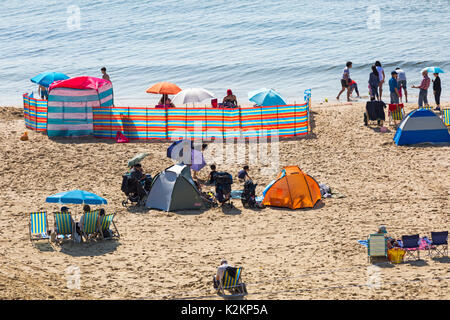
[(433, 70), (164, 88), (47, 78), (76, 197), (192, 95), (137, 159), (266, 97)]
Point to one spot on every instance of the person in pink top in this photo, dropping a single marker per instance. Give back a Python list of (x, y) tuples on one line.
[(423, 93)]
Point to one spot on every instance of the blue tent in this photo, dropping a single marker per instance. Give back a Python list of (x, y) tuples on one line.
[(419, 126)]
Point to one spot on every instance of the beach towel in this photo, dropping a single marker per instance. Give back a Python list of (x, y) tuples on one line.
[(363, 243)]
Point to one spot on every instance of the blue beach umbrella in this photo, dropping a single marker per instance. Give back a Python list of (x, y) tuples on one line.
[(266, 97), (433, 70), (76, 197), (47, 78)]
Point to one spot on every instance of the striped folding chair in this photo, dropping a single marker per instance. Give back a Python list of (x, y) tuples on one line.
[(90, 227), (38, 226), (106, 222), (446, 116), (396, 113), (233, 283), (64, 226), (377, 246)]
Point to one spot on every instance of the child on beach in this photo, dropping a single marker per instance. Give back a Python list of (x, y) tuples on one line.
[(437, 91), (345, 81), (243, 174), (354, 86), (401, 79), (393, 88), (212, 174), (105, 76), (381, 76), (423, 93)]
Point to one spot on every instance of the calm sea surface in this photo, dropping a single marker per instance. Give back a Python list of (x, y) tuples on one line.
[(243, 45)]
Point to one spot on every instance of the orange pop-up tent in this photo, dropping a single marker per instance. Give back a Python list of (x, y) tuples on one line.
[(292, 189)]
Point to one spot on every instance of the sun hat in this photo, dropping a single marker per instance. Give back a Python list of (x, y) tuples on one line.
[(382, 229)]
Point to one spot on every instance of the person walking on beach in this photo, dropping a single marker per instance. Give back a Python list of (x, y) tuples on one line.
[(374, 82), (423, 93), (393, 88), (105, 75), (382, 77), (345, 81), (401, 79), (437, 91)]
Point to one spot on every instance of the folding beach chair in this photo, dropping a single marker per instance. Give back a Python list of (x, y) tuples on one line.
[(38, 226), (396, 113), (91, 227), (377, 246), (446, 116), (234, 283), (439, 244), (64, 226), (105, 224), (411, 245)]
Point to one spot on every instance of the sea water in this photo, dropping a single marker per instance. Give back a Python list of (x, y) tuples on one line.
[(241, 45)]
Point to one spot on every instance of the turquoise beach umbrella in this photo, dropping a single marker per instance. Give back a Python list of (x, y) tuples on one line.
[(433, 70), (76, 197), (47, 78), (266, 97)]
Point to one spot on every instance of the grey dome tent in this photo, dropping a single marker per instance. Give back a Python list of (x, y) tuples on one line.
[(173, 189)]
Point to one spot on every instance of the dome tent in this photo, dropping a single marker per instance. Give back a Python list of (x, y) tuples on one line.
[(173, 189), (420, 126), (292, 189), (71, 103)]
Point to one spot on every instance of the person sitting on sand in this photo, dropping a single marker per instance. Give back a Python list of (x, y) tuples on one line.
[(165, 101), (230, 100)]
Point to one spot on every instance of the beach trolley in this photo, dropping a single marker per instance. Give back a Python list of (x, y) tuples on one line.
[(71, 103)]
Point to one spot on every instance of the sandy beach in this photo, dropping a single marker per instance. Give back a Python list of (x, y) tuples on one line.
[(286, 254)]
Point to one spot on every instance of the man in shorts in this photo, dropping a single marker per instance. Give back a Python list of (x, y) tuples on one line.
[(401, 79), (345, 81)]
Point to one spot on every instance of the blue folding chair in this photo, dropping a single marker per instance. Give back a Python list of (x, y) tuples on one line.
[(439, 244), (411, 246)]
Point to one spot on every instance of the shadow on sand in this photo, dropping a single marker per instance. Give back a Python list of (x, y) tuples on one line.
[(90, 249)]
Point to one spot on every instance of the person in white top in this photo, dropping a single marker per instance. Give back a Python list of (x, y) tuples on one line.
[(381, 75)]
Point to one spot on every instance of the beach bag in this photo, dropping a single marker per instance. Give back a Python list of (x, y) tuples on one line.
[(396, 255)]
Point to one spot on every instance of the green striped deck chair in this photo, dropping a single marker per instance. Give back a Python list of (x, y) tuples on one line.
[(90, 225), (377, 246), (106, 223), (396, 114), (38, 226), (446, 116), (233, 284), (64, 225)]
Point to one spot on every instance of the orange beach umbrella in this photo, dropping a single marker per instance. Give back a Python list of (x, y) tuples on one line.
[(164, 88)]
